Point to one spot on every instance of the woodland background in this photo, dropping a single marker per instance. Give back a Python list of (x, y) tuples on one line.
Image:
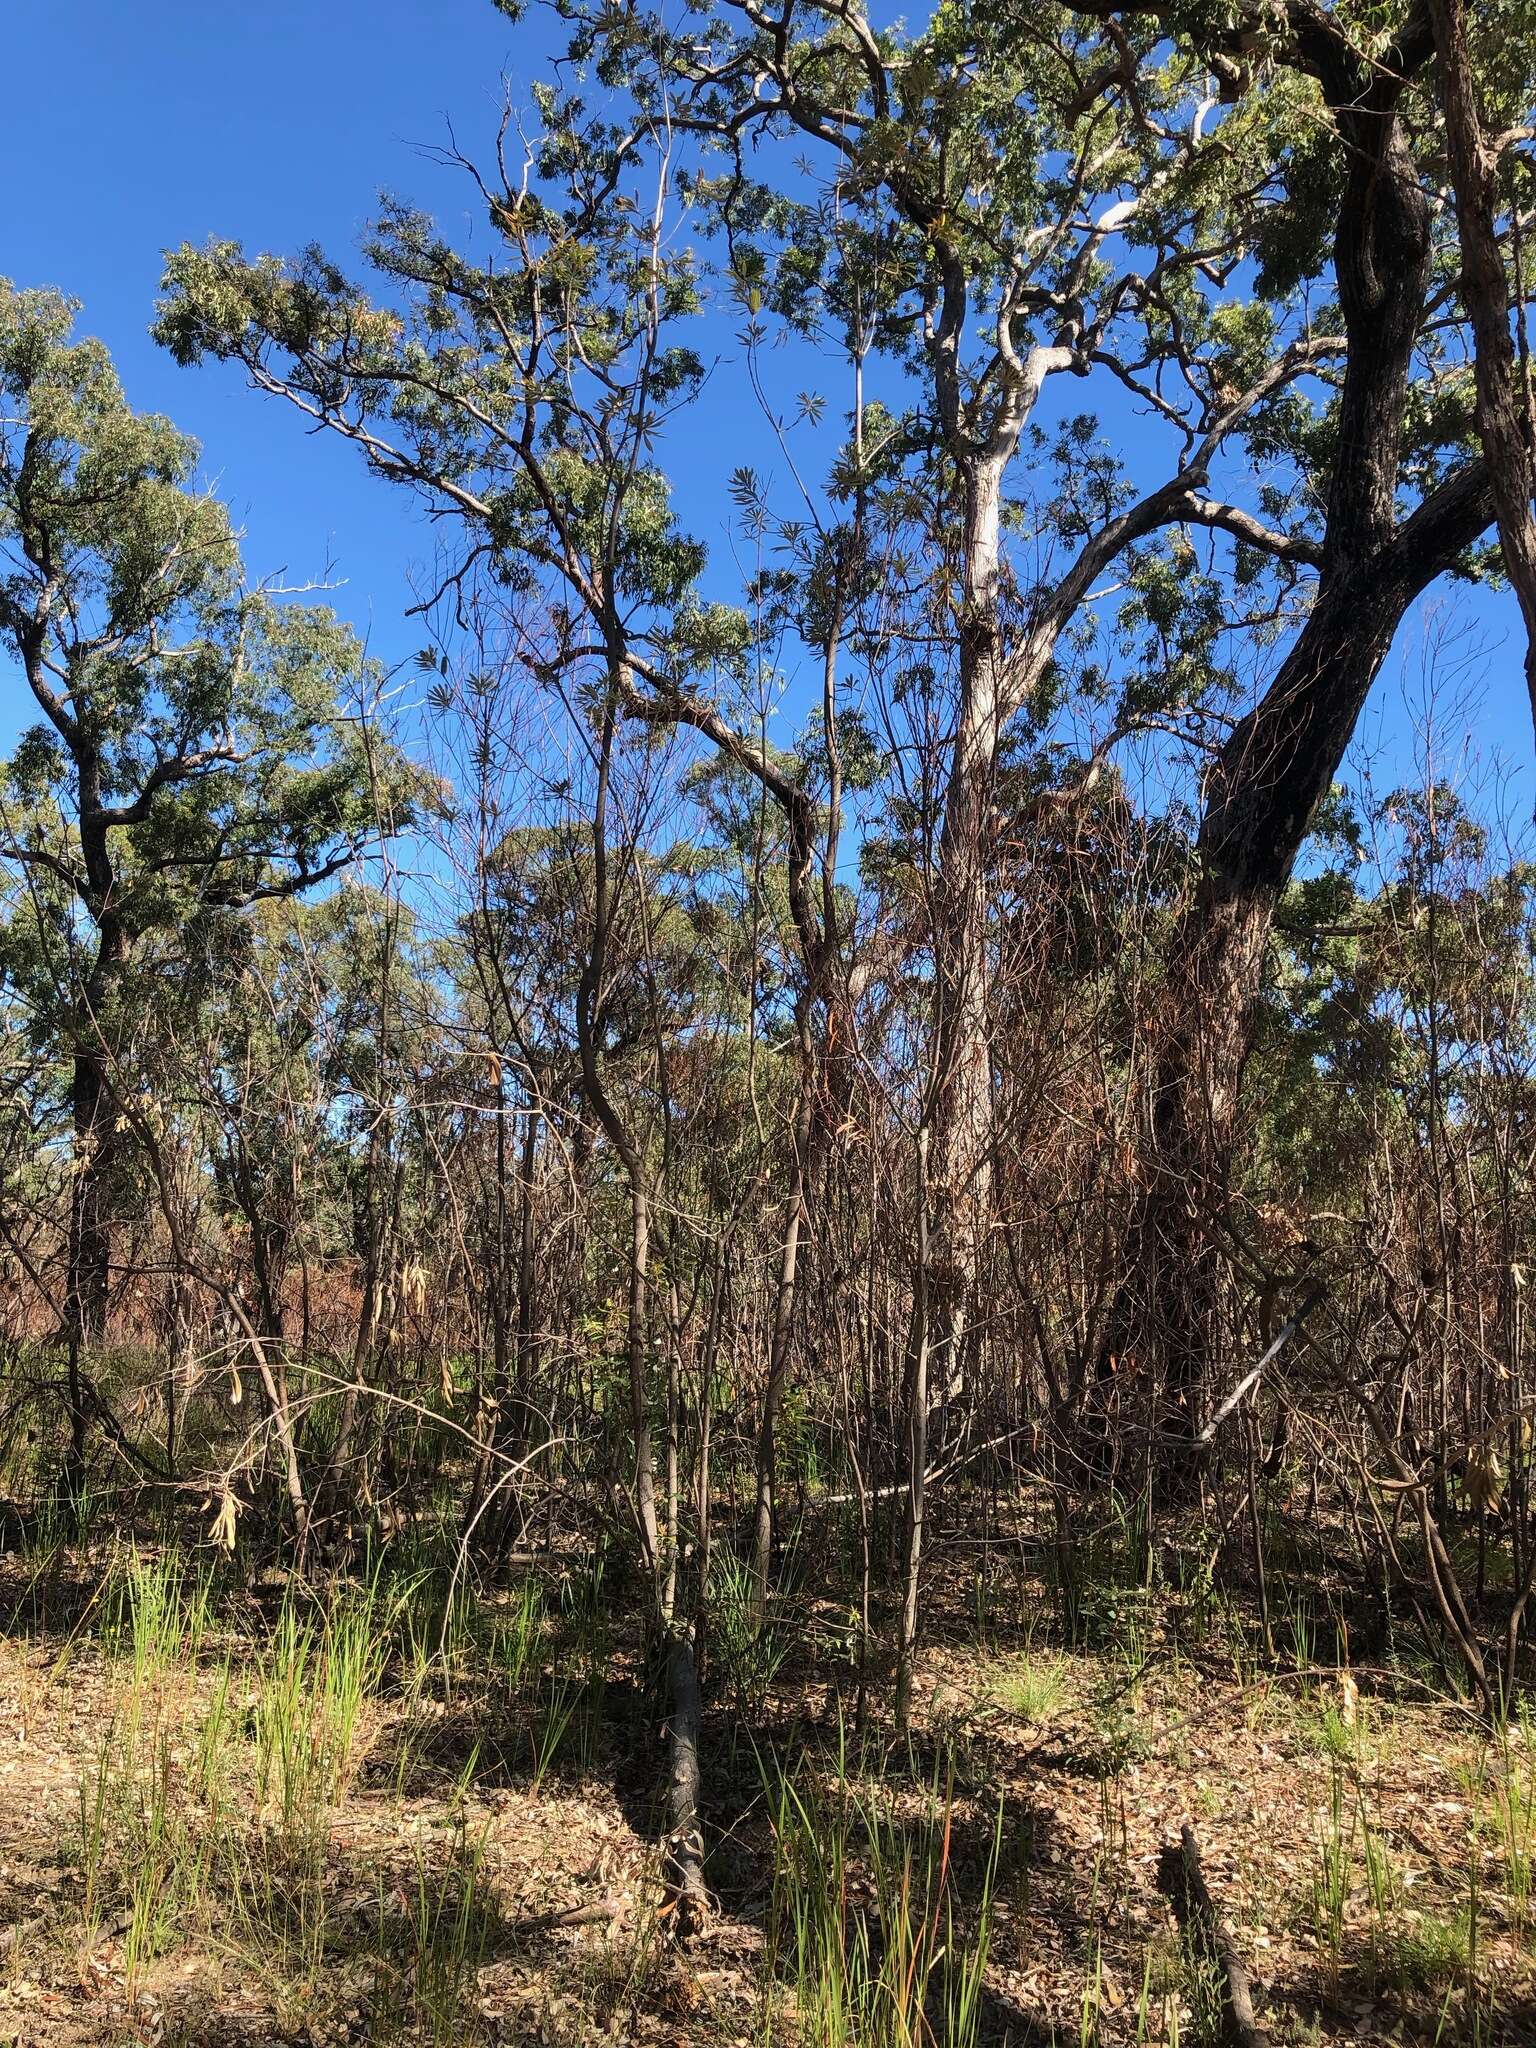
[(846, 1055)]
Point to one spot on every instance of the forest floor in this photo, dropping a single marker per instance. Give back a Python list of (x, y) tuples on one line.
[(291, 1824)]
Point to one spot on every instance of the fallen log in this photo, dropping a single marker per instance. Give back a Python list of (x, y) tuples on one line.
[(1201, 1910), (596, 1914), (687, 1899)]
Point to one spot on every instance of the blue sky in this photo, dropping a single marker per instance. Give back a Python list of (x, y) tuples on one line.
[(145, 126), (275, 126)]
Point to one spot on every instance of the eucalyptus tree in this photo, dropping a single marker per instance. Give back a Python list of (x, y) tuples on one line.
[(1394, 495), (1485, 73), (987, 205), (527, 393), (999, 201), (1030, 199), (191, 754)]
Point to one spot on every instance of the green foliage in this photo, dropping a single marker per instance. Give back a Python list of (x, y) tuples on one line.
[(317, 1676), (194, 723), (196, 749)]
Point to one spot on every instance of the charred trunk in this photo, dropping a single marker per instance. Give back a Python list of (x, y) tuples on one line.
[(96, 1172), (90, 1230), (1169, 1305), (1166, 1319), (1504, 411), (1282, 758)]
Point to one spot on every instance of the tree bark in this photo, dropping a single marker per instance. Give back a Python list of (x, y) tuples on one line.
[(1503, 403), (1282, 758), (589, 1005), (959, 1111), (783, 1329), (96, 1166), (90, 1230), (94, 1120), (917, 1454), (684, 1859)]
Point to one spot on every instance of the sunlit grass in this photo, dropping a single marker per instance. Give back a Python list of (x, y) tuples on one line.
[(863, 1925), (1033, 1689)]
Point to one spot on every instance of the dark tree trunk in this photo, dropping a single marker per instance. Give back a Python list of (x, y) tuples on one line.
[(90, 1226), (94, 1117), (1169, 1303), (1503, 397), (88, 1280), (96, 1171), (1281, 758), (1278, 764)]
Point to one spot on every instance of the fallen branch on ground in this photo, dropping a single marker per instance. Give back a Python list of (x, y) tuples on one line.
[(1201, 1909), (18, 1932), (592, 1915)]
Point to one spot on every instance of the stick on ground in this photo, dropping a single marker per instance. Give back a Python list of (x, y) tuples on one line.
[(1201, 1909)]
